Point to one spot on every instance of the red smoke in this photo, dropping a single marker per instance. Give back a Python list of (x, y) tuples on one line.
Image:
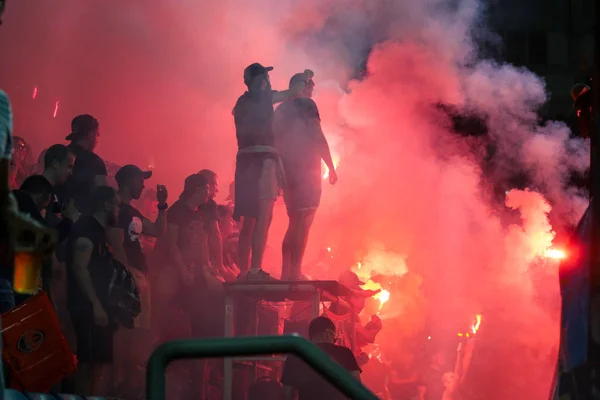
[(162, 79)]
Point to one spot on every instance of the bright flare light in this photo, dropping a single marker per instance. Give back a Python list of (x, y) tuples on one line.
[(383, 296), (555, 254), (336, 164)]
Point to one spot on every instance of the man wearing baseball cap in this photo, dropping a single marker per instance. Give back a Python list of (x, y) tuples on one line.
[(89, 170), (258, 173), (126, 243)]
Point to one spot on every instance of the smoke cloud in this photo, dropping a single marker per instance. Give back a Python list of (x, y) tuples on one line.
[(162, 77)]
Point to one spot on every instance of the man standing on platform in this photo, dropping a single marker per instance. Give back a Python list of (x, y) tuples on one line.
[(302, 145), (258, 175)]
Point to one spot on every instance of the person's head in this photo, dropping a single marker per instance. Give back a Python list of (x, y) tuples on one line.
[(58, 162), (322, 330), (309, 85), (352, 282), (213, 182), (256, 77), (85, 131), (226, 222), (130, 179), (20, 149), (438, 358), (265, 389), (40, 190), (195, 190), (105, 202)]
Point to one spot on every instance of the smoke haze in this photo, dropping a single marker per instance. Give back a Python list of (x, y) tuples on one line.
[(163, 76)]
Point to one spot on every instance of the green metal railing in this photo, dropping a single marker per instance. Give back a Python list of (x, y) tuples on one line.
[(249, 346)]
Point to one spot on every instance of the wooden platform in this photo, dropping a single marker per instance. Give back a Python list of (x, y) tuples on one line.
[(287, 290)]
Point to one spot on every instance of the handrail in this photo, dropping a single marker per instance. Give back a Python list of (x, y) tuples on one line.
[(249, 346)]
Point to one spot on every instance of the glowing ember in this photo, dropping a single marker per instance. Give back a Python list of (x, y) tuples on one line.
[(383, 296), (34, 95), (477, 324), (56, 109), (555, 254)]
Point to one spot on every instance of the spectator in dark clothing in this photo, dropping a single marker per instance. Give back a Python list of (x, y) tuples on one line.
[(308, 384), (302, 145), (32, 197), (176, 249), (125, 240), (58, 167), (208, 213), (89, 171), (258, 173), (431, 380), (88, 260), (402, 381), (265, 389)]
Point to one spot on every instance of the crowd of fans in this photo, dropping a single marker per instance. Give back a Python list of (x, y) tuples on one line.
[(102, 227)]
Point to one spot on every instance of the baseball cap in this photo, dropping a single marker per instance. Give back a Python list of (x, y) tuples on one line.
[(254, 70), (81, 125), (128, 172), (351, 280), (193, 182)]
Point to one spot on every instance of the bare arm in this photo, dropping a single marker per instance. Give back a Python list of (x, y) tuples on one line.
[(322, 145), (116, 238), (173, 249), (158, 228), (215, 244), (366, 334), (81, 258)]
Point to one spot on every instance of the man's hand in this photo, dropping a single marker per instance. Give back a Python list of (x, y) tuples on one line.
[(333, 178), (161, 194), (70, 212), (100, 316), (375, 323)]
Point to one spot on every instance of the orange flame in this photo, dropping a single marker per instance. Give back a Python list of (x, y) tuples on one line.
[(383, 296), (556, 254), (477, 324)]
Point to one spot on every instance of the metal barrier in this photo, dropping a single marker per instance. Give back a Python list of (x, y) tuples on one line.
[(249, 346)]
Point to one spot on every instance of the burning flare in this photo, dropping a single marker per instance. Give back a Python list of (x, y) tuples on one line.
[(383, 296), (555, 254)]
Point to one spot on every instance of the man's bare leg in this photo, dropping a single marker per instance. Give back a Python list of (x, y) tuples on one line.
[(301, 222), (261, 234), (245, 244), (286, 250)]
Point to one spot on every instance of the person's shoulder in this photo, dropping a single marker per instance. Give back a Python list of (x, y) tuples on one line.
[(3, 97)]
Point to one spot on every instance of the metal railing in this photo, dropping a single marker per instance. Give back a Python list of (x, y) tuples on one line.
[(249, 346)]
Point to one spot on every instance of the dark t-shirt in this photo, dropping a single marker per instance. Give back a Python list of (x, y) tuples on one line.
[(181, 215), (433, 380), (253, 115), (208, 211), (86, 227), (403, 391), (308, 383), (296, 142), (80, 185), (131, 221)]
